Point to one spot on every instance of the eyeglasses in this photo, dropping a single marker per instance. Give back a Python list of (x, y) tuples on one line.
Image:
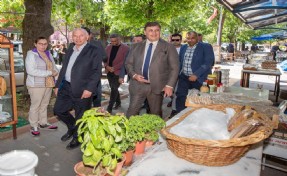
[(175, 40), (42, 44)]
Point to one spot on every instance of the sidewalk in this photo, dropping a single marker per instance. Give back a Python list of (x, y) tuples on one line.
[(55, 160)]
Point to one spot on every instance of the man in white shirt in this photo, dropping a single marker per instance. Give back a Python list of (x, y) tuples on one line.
[(77, 82)]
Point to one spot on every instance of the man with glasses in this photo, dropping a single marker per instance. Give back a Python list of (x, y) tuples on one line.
[(176, 40)]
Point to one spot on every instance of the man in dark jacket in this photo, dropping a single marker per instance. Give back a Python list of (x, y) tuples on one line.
[(97, 98), (196, 59), (77, 82), (116, 54)]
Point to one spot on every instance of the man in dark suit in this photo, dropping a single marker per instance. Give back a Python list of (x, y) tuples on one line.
[(77, 82), (97, 97), (153, 66), (196, 59)]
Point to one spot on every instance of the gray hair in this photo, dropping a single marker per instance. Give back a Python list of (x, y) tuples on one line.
[(81, 29)]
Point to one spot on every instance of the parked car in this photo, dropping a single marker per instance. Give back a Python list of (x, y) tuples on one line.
[(18, 71), (18, 46)]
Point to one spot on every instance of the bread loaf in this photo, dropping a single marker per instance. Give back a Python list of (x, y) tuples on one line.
[(240, 117), (3, 86), (246, 128)]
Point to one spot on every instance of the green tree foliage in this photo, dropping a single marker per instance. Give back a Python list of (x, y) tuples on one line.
[(73, 14), (65, 16), (195, 19), (129, 16), (11, 13), (235, 30)]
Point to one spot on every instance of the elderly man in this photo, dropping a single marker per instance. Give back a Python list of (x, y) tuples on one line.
[(153, 66), (77, 82)]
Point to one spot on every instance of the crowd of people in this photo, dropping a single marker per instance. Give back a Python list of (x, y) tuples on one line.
[(156, 69), (58, 52)]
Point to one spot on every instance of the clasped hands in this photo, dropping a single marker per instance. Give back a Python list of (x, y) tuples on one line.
[(109, 69), (54, 73), (167, 91), (192, 78)]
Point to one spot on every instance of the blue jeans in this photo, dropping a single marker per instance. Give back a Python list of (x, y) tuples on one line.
[(182, 90)]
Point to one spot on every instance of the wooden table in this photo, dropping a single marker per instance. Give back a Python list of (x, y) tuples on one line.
[(245, 78)]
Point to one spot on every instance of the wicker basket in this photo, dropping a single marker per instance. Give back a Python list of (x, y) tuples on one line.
[(269, 65), (213, 152)]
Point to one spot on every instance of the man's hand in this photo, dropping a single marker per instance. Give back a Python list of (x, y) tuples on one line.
[(56, 91), (121, 80), (86, 94), (167, 91), (110, 69), (140, 78), (192, 78)]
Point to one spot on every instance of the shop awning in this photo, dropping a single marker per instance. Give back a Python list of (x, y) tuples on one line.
[(258, 13), (270, 36)]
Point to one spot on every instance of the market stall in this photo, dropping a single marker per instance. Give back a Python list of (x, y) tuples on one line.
[(8, 104), (281, 56), (161, 159), (245, 78)]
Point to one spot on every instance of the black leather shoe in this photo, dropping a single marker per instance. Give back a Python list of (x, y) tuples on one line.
[(67, 136), (117, 106), (109, 110), (147, 110), (73, 144), (173, 113)]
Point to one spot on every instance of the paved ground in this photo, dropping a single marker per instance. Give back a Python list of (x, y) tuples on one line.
[(55, 160)]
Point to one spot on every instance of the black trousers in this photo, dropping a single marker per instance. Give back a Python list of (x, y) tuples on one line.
[(183, 86), (97, 99), (115, 95), (65, 102)]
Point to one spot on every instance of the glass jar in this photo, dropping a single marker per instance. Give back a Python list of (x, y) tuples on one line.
[(204, 88)]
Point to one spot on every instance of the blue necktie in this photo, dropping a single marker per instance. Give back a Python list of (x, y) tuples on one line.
[(147, 61)]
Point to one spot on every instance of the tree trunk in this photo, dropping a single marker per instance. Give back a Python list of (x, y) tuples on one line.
[(150, 10), (103, 36), (243, 46), (220, 26), (36, 23)]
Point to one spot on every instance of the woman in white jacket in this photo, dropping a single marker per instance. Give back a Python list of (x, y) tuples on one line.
[(41, 72)]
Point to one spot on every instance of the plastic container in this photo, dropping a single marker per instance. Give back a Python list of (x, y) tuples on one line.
[(18, 163)]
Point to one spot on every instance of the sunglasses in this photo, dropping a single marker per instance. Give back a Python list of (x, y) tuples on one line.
[(175, 40)]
